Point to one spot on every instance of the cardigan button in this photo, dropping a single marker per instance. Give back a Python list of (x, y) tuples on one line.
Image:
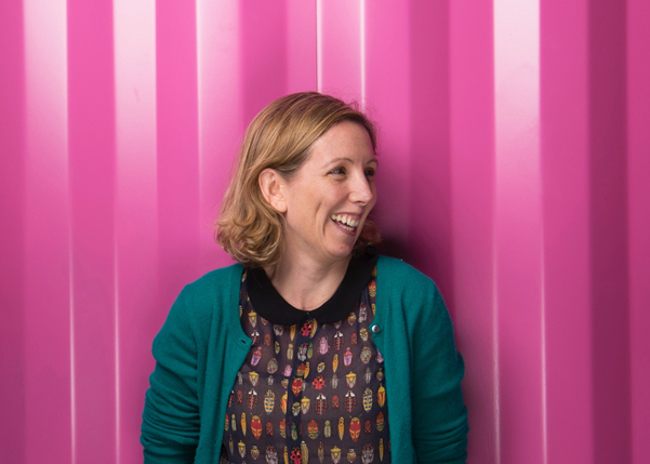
[(375, 328)]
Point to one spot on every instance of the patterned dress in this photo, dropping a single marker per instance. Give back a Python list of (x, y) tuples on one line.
[(312, 387)]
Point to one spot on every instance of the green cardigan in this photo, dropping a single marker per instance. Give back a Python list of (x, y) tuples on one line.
[(201, 347)]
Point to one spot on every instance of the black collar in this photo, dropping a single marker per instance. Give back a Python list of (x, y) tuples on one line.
[(269, 304)]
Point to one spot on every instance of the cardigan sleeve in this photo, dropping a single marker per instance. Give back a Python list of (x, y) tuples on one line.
[(170, 421), (439, 414)]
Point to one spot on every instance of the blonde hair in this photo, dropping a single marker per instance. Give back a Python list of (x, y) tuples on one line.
[(280, 138)]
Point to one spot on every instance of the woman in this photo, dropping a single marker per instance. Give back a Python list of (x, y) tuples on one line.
[(312, 348)]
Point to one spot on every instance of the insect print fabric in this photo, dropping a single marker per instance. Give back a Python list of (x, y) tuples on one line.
[(310, 391)]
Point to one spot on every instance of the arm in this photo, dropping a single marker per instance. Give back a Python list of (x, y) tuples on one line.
[(170, 421), (439, 414)]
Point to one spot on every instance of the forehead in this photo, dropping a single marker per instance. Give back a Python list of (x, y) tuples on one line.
[(348, 140)]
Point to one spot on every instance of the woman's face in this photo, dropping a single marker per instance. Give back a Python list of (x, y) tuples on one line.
[(329, 197)]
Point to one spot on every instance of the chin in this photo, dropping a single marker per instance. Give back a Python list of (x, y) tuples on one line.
[(343, 253)]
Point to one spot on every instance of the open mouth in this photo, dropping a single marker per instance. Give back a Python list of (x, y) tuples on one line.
[(345, 222)]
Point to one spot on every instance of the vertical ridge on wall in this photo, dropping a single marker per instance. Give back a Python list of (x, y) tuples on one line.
[(92, 170), (388, 35), (565, 162), (429, 133), (472, 167), (259, 21), (136, 226), (50, 426), (340, 45), (220, 116), (302, 46), (177, 146), (518, 230)]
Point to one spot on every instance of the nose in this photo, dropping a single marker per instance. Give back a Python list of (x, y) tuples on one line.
[(362, 190)]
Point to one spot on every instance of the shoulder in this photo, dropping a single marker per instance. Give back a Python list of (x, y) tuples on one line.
[(214, 282), (218, 288), (406, 293), (401, 277)]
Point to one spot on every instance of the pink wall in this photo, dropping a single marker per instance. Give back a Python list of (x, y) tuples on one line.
[(515, 170)]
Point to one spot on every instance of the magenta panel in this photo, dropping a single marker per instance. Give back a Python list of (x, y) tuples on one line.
[(135, 314), (387, 101), (91, 164), (638, 210), (263, 54), (220, 120), (565, 185), (340, 41), (177, 145), (518, 266), (48, 377), (471, 172), (608, 222), (514, 169), (12, 247)]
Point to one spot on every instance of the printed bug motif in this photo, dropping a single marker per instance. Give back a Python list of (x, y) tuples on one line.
[(381, 396), (338, 340), (327, 429), (243, 423), (252, 318), (302, 351), (367, 399), (304, 405), (296, 386), (366, 354), (335, 454), (367, 454), (318, 383), (255, 452), (335, 381), (252, 399), (323, 346), (312, 429), (271, 455), (350, 401), (256, 426), (351, 379), (355, 429), (269, 401), (272, 366), (347, 357), (363, 312)]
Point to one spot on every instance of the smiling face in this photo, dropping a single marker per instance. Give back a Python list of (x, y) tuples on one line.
[(327, 200)]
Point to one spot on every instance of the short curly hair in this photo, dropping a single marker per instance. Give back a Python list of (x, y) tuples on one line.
[(280, 138)]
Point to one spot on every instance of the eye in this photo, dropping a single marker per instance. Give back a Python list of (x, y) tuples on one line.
[(370, 172), (338, 171)]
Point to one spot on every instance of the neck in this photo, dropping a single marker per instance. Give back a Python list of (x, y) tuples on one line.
[(306, 283)]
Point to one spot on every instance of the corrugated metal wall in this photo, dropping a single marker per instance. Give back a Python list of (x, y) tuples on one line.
[(515, 170)]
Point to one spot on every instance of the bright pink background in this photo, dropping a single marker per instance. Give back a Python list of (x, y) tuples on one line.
[(515, 170)]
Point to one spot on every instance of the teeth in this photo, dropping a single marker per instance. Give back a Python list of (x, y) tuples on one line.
[(345, 219)]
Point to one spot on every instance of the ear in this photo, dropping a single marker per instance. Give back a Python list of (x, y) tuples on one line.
[(271, 185)]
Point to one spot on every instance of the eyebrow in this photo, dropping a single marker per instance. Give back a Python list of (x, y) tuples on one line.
[(349, 160)]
